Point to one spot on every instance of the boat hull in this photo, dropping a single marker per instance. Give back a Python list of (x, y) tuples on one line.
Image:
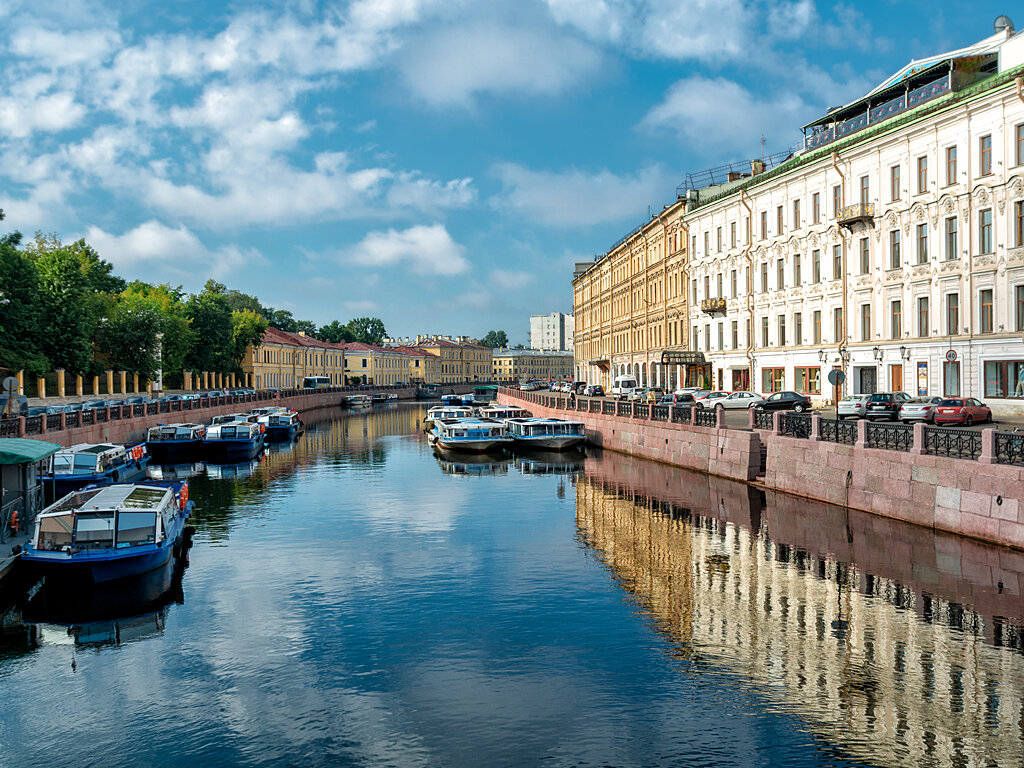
[(231, 451), (282, 434), (173, 451), (61, 485), (472, 445), (56, 566), (548, 442)]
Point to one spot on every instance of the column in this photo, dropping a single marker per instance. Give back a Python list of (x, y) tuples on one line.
[(110, 381), (206, 379), (40, 386), (95, 386), (122, 377), (187, 383), (60, 382), (135, 383), (149, 387), (21, 382), (78, 385)]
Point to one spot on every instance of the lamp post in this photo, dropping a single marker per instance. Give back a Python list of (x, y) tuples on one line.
[(877, 353)]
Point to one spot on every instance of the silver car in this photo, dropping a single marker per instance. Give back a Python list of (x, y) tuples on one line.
[(852, 406), (922, 408)]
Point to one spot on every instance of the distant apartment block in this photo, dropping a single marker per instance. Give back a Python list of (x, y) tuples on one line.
[(553, 331)]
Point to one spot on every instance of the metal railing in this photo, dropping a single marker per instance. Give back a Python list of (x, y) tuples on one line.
[(837, 431), (795, 425), (661, 412), (893, 437), (34, 425), (1009, 448), (705, 418), (680, 414), (53, 422), (641, 411), (956, 443), (763, 419)]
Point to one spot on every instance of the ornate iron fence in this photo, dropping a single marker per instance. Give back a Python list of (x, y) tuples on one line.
[(8, 427), (660, 412), (1009, 448), (680, 414), (705, 418), (956, 443), (53, 422), (88, 418), (795, 425), (622, 409), (641, 411), (894, 437), (608, 406), (837, 431), (72, 419), (763, 419), (33, 425)]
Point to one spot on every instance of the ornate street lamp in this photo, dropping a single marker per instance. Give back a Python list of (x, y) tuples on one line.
[(877, 353)]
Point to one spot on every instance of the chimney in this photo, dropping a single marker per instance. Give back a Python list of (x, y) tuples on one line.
[(756, 167), (733, 176), (302, 333)]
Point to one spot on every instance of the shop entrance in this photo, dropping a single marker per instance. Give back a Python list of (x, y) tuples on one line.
[(741, 380)]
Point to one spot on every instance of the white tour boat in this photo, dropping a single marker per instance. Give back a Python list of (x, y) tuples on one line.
[(546, 434), (445, 412), (471, 434), (502, 412)]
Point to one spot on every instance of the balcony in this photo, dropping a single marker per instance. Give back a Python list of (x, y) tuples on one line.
[(856, 212), (712, 306)]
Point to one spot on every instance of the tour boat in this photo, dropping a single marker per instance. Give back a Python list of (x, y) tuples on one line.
[(236, 441), (451, 399), (475, 435), (232, 418), (502, 412), (546, 434), (95, 463), (358, 401), (284, 425), (445, 412), (175, 443), (109, 532), (428, 392)]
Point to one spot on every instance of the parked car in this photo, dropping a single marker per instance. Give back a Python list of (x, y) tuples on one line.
[(677, 399), (922, 408), (136, 400), (695, 391), (636, 394), (594, 390), (852, 406), (784, 401), (885, 405), (654, 394), (962, 410), (711, 399), (580, 387), (622, 386), (74, 407), (553, 386), (566, 387), (741, 400)]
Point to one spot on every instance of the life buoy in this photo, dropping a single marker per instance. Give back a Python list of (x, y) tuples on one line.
[(183, 496), (14, 521)]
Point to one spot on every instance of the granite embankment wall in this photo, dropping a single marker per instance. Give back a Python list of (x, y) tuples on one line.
[(980, 499)]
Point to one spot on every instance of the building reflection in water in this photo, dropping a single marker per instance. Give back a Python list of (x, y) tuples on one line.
[(896, 644)]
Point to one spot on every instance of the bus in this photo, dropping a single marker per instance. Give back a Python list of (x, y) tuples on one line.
[(316, 382)]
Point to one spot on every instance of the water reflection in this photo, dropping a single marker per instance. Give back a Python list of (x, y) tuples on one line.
[(884, 638)]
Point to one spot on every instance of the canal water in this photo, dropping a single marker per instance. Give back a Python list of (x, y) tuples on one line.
[(353, 599)]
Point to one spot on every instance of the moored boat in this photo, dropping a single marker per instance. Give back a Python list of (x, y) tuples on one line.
[(474, 435), (109, 532), (546, 434), (232, 418), (94, 463), (445, 412), (358, 401), (175, 443), (451, 399), (502, 412), (234, 441), (284, 425), (428, 392)]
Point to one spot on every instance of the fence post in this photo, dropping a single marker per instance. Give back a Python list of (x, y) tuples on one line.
[(988, 446), (751, 418), (693, 415), (776, 422), (917, 448), (815, 426), (720, 418), (21, 426), (42, 424), (63, 421), (862, 433)]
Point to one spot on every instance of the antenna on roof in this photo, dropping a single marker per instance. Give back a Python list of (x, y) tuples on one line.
[(762, 147)]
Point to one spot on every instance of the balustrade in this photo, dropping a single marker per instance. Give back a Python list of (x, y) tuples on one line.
[(763, 419), (705, 418), (1009, 448), (795, 425), (956, 443), (33, 425), (837, 431), (893, 437)]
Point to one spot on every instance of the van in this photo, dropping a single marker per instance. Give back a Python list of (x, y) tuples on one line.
[(623, 386)]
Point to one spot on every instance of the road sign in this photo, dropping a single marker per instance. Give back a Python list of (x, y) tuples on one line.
[(951, 355), (682, 358), (836, 377), (10, 386)]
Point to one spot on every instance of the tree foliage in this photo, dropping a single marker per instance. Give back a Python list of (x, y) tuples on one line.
[(334, 333), (247, 329), (368, 330), (495, 339)]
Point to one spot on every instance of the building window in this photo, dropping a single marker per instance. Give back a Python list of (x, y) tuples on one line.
[(732, 284), (865, 322), (764, 225), (950, 165), (764, 331), (732, 234), (837, 262), (735, 333), (798, 328), (778, 220), (837, 200), (951, 379), (816, 327), (894, 183), (896, 320), (1004, 378), (808, 380), (865, 256), (922, 317), (985, 231), (894, 249), (1018, 154), (952, 314), (707, 286), (922, 175), (781, 341), (816, 208), (693, 291), (865, 189), (707, 337), (707, 243), (816, 266), (951, 244), (781, 273), (838, 331), (1018, 223), (695, 344), (985, 310), (764, 277), (985, 155), (718, 238), (773, 379), (796, 214), (796, 270), (1019, 290), (922, 243)]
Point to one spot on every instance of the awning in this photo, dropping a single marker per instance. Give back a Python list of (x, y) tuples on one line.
[(16, 450)]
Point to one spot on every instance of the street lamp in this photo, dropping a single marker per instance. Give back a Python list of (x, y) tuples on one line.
[(904, 352), (877, 353), (822, 355)]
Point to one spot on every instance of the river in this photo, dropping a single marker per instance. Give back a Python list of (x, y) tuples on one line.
[(353, 599)]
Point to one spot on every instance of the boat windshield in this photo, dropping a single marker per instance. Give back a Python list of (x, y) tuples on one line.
[(55, 531), (85, 461), (134, 528), (62, 464), (94, 530)]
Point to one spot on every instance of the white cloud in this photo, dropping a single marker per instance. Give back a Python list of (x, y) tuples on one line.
[(413, 191), (719, 116), (424, 249), (21, 116), (511, 279), (577, 198), (64, 49), (452, 66)]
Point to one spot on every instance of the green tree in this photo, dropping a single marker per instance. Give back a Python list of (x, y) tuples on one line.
[(334, 332), (247, 329), (21, 310), (306, 327), (128, 336), (368, 330), (68, 319), (281, 319), (175, 325), (495, 339), (213, 346)]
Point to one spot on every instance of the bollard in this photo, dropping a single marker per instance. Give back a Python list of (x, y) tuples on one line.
[(78, 385), (60, 382)]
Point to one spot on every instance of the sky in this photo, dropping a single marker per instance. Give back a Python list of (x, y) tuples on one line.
[(440, 164)]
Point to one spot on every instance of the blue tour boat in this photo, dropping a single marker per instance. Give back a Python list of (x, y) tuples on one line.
[(546, 434), (233, 441), (109, 532), (94, 464), (175, 443), (283, 425)]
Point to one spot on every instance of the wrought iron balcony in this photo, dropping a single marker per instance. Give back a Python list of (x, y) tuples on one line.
[(856, 212), (712, 306)]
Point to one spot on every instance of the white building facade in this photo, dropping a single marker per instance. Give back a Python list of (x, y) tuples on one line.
[(890, 248), (551, 332)]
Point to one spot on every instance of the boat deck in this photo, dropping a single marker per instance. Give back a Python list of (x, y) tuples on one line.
[(8, 560)]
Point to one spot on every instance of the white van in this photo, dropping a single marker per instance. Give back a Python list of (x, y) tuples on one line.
[(623, 386)]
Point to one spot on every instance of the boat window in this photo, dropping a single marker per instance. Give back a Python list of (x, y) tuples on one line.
[(94, 530), (144, 498), (85, 461), (227, 432), (135, 528), (62, 464), (55, 532)]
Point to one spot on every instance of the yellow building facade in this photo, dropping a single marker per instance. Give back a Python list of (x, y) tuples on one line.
[(527, 364), (460, 361), (424, 368), (380, 366), (630, 305), (284, 359)]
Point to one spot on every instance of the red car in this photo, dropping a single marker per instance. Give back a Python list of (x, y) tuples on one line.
[(962, 410)]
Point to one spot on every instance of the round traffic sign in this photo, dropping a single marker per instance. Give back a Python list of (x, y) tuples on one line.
[(10, 386), (836, 377), (951, 355)]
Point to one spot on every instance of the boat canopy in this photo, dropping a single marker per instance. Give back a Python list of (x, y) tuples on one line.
[(244, 430), (111, 517), (19, 450), (88, 458), (539, 427), (175, 432)]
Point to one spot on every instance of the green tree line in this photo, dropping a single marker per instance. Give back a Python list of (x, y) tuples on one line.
[(62, 306)]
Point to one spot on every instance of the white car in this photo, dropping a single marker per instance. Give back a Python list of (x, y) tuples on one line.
[(852, 406), (711, 399)]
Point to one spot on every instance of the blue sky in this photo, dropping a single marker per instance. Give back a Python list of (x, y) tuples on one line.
[(437, 163)]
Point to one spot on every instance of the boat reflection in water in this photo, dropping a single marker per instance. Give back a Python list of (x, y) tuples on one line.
[(551, 462), (175, 471), (459, 463), (898, 645), (235, 471)]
